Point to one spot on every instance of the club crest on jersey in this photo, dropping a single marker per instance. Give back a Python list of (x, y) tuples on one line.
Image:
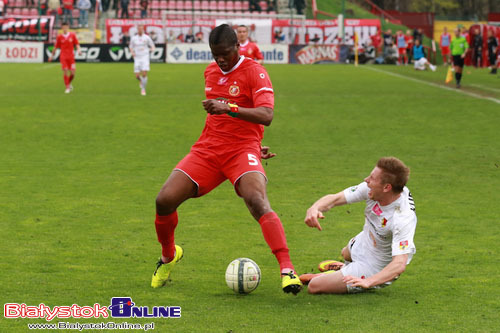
[(222, 81), (384, 222), (403, 245), (234, 90)]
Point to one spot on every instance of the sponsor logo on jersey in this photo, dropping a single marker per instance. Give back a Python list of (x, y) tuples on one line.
[(222, 81), (384, 222), (354, 188), (377, 210), (234, 90), (403, 245)]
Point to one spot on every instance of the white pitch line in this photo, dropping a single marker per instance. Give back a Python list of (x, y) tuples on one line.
[(433, 84), (47, 66), (487, 88)]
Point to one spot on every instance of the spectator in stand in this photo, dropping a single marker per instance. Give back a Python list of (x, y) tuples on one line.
[(180, 38), (444, 43), (390, 54), (418, 34), (84, 7), (477, 46), (126, 38), (253, 5), (376, 43), (124, 7), (104, 5), (68, 11), (271, 5), (279, 36), (459, 48), (189, 37), (300, 5), (43, 7), (144, 8), (409, 43), (492, 51), (54, 7), (2, 6), (402, 45), (388, 41), (421, 61), (198, 38), (171, 39), (465, 33), (247, 48)]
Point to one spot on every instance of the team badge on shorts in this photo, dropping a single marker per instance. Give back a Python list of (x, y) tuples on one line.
[(384, 222), (403, 245), (234, 90)]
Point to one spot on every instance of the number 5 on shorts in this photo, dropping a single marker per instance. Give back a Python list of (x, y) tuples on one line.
[(252, 160)]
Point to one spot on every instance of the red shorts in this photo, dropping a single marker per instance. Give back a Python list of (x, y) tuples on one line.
[(209, 165), (402, 50), (68, 63), (445, 50)]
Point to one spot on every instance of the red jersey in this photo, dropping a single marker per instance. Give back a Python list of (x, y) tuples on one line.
[(67, 44), (247, 85), (251, 50)]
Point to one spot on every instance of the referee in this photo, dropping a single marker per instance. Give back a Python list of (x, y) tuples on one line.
[(459, 48)]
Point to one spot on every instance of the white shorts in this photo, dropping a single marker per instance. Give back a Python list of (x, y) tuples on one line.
[(420, 64), (141, 64), (362, 264)]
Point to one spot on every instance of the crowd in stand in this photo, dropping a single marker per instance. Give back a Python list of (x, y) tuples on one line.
[(69, 10)]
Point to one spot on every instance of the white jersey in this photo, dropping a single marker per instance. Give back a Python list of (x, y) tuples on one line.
[(141, 45), (388, 230)]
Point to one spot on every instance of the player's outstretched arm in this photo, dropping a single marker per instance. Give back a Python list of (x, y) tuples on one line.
[(324, 204), (259, 115), (395, 268)]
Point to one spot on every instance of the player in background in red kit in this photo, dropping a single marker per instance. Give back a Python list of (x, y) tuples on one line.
[(444, 43), (240, 102), (401, 42), (409, 45), (247, 48), (67, 42)]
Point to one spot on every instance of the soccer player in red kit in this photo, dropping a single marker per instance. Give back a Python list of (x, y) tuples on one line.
[(67, 42), (240, 101), (247, 48)]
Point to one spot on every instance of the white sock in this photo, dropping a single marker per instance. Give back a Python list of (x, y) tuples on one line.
[(144, 81)]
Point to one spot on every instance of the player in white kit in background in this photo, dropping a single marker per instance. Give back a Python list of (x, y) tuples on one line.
[(140, 46), (379, 254)]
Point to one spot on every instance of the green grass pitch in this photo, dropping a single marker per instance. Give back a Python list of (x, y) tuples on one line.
[(79, 174)]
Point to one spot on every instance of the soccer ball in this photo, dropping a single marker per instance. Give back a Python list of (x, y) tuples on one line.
[(243, 275)]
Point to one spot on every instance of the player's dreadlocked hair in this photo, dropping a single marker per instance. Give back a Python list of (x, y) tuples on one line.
[(223, 34)]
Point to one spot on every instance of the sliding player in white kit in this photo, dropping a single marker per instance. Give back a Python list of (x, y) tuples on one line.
[(140, 46), (380, 253)]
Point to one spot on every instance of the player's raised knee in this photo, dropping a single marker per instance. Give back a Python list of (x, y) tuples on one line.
[(314, 287), (346, 254)]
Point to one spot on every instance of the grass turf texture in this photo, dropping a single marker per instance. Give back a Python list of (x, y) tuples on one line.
[(79, 174)]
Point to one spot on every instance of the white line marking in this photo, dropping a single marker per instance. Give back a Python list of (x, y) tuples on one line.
[(487, 88), (47, 66), (433, 84)]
